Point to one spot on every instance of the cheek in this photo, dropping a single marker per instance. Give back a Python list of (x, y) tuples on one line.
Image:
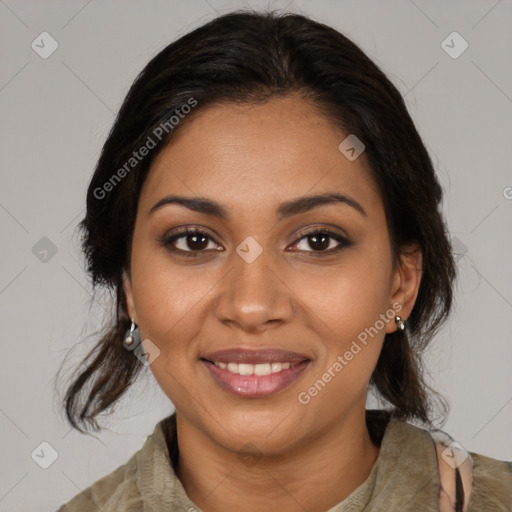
[(346, 299), (168, 301), (345, 304), (167, 296)]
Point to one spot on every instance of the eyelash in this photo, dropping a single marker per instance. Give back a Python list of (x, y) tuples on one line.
[(166, 241)]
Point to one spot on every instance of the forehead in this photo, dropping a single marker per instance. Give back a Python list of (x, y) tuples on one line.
[(254, 156)]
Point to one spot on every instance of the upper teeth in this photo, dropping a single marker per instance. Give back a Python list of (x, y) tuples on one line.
[(253, 369)]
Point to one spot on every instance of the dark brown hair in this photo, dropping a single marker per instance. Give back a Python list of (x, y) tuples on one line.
[(250, 57)]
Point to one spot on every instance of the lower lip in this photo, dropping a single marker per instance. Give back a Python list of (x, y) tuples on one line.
[(255, 386)]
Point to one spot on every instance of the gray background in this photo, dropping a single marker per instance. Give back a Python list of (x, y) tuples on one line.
[(55, 116)]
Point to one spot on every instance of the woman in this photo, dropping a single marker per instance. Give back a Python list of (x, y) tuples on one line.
[(270, 221)]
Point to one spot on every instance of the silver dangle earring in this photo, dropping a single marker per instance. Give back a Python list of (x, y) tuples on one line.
[(131, 337), (401, 325)]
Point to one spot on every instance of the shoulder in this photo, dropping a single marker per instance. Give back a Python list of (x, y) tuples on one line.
[(117, 487), (117, 490), (410, 469), (492, 484), (148, 480)]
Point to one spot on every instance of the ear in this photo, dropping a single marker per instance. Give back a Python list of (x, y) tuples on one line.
[(405, 284), (128, 292)]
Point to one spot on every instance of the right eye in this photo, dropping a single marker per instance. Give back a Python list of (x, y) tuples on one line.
[(192, 240)]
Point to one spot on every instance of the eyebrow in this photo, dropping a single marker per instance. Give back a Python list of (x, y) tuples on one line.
[(286, 209)]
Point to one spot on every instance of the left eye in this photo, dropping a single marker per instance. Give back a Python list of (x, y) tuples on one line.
[(320, 240)]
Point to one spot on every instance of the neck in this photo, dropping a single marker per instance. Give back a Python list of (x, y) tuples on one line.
[(218, 479)]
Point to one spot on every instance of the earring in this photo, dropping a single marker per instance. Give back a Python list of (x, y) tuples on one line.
[(401, 325), (132, 337)]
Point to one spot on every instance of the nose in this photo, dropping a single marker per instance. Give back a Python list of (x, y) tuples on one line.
[(253, 296)]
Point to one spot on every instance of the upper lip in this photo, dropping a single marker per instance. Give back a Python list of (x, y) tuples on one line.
[(254, 356)]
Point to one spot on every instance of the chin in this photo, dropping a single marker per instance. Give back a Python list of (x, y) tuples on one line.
[(269, 429)]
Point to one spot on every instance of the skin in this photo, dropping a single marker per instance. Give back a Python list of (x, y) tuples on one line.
[(251, 159)]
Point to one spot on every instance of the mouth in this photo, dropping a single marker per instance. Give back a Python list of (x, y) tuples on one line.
[(254, 374)]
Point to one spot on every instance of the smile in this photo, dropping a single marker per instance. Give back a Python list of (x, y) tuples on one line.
[(254, 380)]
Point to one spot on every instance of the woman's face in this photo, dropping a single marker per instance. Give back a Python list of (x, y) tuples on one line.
[(258, 279)]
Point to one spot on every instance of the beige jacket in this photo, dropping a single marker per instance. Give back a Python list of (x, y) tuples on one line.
[(404, 478)]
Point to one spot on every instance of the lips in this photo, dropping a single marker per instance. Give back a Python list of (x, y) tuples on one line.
[(254, 373)]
